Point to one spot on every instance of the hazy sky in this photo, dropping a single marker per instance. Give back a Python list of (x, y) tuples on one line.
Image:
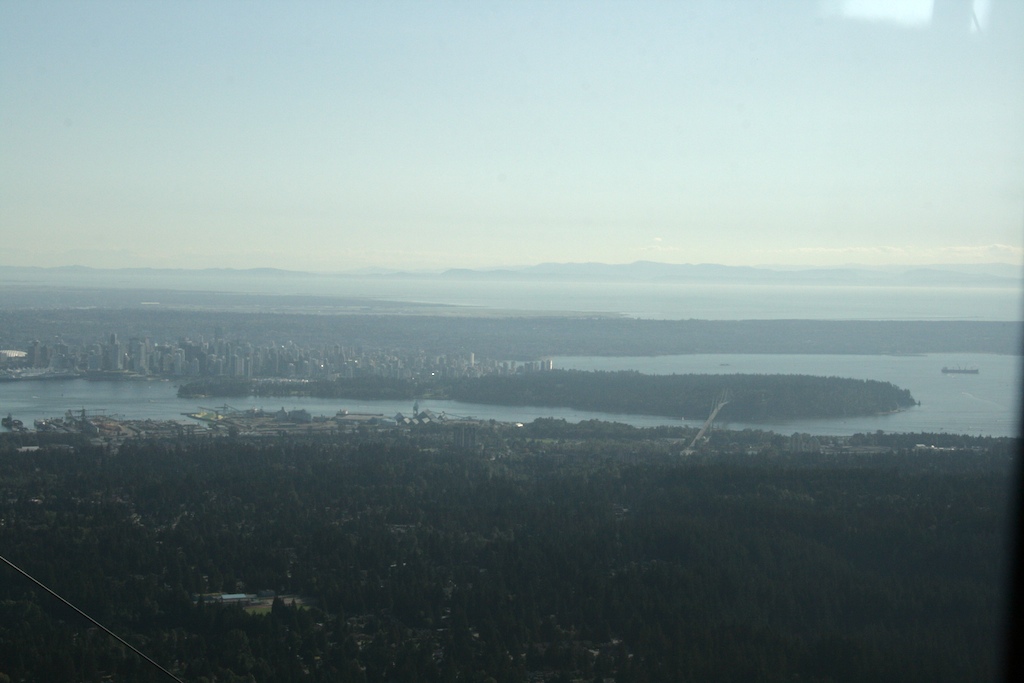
[(340, 135)]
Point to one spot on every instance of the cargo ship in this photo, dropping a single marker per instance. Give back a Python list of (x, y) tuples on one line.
[(959, 371)]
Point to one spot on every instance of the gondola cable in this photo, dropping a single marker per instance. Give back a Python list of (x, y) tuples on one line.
[(88, 618)]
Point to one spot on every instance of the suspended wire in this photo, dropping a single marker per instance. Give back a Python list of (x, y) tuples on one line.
[(87, 617)]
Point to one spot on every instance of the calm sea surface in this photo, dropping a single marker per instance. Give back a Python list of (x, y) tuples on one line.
[(642, 299), (680, 301), (982, 404)]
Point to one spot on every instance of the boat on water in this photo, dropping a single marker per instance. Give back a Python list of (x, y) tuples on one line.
[(959, 371)]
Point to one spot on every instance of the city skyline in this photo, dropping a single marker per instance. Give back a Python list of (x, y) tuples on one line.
[(333, 138)]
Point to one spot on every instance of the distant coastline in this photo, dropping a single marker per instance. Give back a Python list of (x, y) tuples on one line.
[(641, 290)]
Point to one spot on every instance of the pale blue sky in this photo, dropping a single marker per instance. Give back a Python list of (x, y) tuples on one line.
[(334, 136)]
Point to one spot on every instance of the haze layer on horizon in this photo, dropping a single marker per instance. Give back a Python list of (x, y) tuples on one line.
[(336, 136)]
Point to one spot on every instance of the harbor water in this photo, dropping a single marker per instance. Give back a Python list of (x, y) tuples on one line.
[(986, 403)]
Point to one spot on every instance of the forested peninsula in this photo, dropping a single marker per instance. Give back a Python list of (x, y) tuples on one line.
[(750, 397)]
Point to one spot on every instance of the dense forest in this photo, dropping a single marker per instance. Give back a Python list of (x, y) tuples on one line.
[(751, 397), (552, 552)]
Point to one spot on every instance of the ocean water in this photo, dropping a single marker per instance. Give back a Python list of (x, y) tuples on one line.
[(641, 299), (681, 301)]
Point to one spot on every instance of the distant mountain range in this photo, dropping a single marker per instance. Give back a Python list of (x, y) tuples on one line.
[(945, 275)]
